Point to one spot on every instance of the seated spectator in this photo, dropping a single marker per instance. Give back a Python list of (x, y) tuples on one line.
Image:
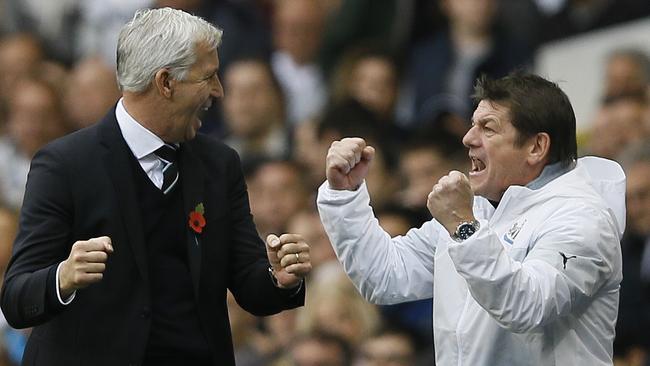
[(91, 91), (297, 31), (12, 342), (370, 77), (277, 192), (8, 231), (334, 306), (387, 348), (632, 340), (319, 349), (421, 165), (34, 118), (619, 122), (254, 110), (247, 32), (428, 155), (443, 67), (20, 57), (309, 152), (627, 72), (307, 223), (98, 26)]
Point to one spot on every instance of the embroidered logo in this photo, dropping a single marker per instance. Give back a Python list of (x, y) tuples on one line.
[(197, 220), (566, 259), (512, 233)]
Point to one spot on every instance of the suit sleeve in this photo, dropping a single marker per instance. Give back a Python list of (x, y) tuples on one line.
[(250, 282), (523, 296), (43, 241)]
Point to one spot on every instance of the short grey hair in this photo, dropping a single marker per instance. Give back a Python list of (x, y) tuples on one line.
[(160, 38)]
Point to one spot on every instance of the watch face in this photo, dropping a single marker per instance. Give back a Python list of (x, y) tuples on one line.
[(466, 230)]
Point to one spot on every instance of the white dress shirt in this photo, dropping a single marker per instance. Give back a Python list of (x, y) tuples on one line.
[(142, 143)]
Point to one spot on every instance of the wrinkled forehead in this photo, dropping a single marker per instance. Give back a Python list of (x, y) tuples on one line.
[(493, 110)]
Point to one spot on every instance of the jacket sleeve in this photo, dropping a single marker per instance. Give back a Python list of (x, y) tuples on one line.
[(250, 281), (522, 296), (384, 270), (43, 241)]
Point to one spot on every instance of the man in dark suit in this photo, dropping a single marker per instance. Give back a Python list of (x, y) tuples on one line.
[(133, 229)]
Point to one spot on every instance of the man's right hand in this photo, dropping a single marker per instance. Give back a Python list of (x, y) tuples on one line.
[(348, 162), (85, 265)]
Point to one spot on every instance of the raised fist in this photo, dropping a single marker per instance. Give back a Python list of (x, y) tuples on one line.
[(348, 162)]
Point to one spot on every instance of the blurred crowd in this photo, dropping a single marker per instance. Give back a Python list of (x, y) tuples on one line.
[(299, 74)]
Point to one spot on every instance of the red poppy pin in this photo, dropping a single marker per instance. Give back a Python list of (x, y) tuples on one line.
[(197, 220)]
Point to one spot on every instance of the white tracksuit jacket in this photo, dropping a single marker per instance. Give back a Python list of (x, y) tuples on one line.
[(537, 284)]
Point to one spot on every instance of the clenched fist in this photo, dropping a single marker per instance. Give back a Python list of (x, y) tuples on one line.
[(450, 201), (289, 257), (348, 162), (85, 265)]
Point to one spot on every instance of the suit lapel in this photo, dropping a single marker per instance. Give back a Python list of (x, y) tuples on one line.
[(116, 159), (192, 181)]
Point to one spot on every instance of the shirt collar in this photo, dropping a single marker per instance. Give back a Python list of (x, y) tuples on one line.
[(140, 140), (549, 173)]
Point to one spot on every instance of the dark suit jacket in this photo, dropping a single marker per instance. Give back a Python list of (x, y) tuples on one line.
[(81, 186)]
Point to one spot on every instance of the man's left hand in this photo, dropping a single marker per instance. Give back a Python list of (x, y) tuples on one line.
[(289, 257), (450, 201)]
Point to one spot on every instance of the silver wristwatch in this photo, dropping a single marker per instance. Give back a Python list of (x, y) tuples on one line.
[(465, 229)]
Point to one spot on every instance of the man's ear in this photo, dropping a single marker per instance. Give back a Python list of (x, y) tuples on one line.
[(539, 148), (164, 83)]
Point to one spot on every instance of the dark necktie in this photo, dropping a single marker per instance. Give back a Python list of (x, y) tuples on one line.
[(168, 154)]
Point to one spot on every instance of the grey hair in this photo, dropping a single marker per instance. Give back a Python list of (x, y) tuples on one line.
[(160, 38)]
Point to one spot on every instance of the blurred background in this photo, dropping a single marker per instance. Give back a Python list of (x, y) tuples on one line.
[(299, 74)]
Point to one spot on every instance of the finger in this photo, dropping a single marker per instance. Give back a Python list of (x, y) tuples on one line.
[(94, 268), (456, 174), (444, 181), (273, 241), (88, 245), (108, 243), (289, 258), (337, 161), (357, 156), (368, 153), (357, 141), (89, 278), (94, 257), (102, 243), (289, 249), (292, 258), (291, 238), (299, 270), (350, 158)]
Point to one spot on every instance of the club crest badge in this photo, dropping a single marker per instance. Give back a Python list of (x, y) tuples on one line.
[(514, 230)]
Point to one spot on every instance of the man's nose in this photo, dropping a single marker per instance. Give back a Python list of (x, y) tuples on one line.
[(470, 138), (217, 89)]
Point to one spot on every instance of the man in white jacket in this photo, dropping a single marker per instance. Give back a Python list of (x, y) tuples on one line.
[(522, 258)]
